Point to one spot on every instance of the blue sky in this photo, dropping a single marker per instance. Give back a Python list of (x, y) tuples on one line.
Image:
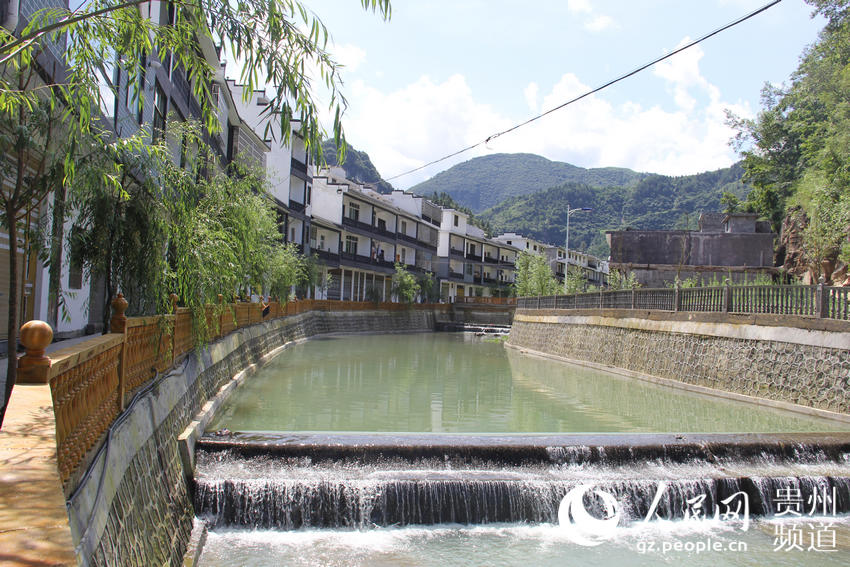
[(441, 75)]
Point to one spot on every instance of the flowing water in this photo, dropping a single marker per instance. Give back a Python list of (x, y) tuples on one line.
[(454, 382), (281, 495)]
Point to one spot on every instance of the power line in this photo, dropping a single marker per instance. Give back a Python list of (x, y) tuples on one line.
[(596, 90)]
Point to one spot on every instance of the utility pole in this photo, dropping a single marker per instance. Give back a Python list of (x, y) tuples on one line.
[(567, 241)]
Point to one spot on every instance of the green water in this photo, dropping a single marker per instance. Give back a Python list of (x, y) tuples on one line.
[(457, 383)]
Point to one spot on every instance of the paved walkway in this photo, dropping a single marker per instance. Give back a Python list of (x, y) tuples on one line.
[(34, 527)]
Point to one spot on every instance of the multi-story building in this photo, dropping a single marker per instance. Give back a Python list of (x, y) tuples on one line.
[(360, 235), (470, 264), (160, 95), (287, 168), (594, 270)]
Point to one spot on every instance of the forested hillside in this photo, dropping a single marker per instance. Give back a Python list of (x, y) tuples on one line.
[(358, 167), (656, 202), (486, 181)]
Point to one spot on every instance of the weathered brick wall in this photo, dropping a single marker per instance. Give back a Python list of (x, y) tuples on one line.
[(132, 506), (787, 367)]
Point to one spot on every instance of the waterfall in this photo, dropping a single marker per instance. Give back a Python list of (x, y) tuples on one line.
[(253, 487)]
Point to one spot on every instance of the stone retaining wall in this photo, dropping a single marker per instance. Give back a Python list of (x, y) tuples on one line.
[(806, 367), (132, 506)]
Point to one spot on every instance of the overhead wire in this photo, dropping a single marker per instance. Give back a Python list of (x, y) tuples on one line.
[(586, 94)]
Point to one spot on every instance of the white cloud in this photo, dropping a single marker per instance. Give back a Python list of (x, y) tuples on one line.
[(599, 23), (579, 6), (348, 55), (530, 93), (684, 133), (423, 121)]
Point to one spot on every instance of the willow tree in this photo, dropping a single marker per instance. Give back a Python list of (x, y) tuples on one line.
[(276, 41)]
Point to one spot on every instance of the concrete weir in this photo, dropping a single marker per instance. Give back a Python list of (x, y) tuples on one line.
[(356, 480)]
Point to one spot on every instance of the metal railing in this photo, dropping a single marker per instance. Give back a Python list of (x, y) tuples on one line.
[(819, 301)]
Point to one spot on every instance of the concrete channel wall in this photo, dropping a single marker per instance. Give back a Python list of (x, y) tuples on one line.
[(794, 362), (132, 505)]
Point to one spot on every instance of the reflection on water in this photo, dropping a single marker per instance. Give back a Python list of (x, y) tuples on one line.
[(441, 382)]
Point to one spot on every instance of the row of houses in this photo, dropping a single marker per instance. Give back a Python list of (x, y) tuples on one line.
[(356, 234)]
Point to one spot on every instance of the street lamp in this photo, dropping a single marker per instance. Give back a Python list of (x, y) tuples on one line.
[(567, 243)]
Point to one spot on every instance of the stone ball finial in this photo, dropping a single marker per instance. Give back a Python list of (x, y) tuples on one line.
[(220, 298), (174, 297), (36, 336), (118, 323), (34, 366)]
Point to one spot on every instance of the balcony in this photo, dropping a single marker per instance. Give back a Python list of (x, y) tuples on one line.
[(455, 275), (347, 221), (383, 232), (296, 206), (490, 280), (456, 252), (491, 259), (365, 262), (298, 165), (327, 256), (408, 238), (470, 256)]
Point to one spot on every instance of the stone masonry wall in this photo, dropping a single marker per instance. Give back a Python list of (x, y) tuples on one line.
[(132, 506), (793, 370)]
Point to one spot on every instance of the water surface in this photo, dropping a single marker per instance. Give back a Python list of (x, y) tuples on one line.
[(458, 383)]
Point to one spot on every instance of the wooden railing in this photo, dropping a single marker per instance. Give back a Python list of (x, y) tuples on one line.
[(818, 301), (91, 382)]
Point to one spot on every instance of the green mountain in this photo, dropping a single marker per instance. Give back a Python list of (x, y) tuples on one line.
[(656, 202), (358, 167), (486, 181)]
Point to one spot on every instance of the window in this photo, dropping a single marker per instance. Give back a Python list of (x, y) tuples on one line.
[(350, 244), (135, 92), (309, 194), (321, 242), (526, 245), (457, 220), (354, 212), (510, 243), (292, 234), (160, 108), (404, 227), (403, 260), (468, 269)]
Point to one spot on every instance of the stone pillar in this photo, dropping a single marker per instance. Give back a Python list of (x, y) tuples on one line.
[(34, 366)]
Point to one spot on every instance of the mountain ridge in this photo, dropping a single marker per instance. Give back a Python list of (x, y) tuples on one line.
[(483, 182)]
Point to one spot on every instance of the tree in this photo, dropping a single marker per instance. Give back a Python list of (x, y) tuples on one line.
[(274, 40), (534, 276), (429, 288), (404, 285), (30, 138), (796, 150)]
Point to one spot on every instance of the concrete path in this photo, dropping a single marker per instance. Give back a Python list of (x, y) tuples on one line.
[(34, 528)]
